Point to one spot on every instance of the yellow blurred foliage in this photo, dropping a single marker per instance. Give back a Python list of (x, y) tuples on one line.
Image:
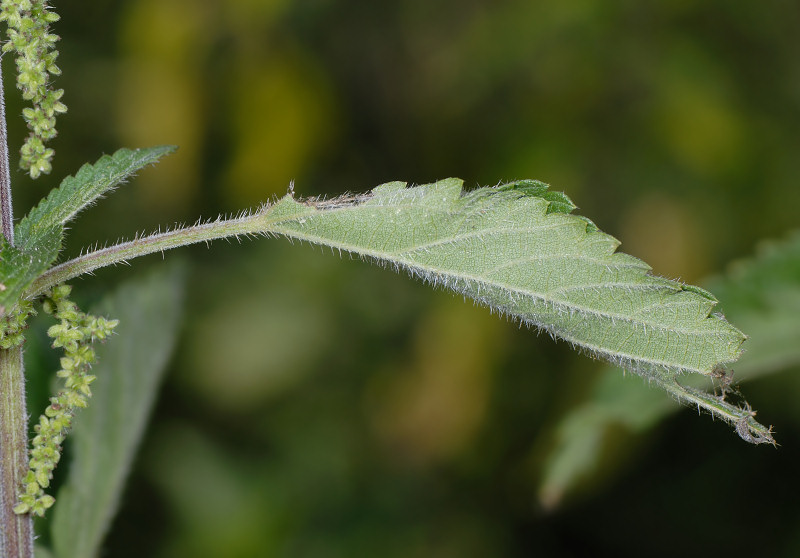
[(281, 116), (276, 106), (695, 115), (430, 408), (664, 233), (248, 19), (160, 97)]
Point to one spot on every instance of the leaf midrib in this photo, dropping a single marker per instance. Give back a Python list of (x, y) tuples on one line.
[(400, 260)]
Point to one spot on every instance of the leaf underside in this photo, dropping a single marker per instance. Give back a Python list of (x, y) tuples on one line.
[(517, 249)]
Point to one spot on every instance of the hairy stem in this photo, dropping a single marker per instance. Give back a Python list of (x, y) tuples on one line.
[(257, 223), (741, 417), (16, 531), (120, 253), (6, 209)]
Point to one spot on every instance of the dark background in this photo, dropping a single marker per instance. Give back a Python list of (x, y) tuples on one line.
[(323, 407)]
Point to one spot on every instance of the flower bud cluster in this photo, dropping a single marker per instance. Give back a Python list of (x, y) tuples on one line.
[(30, 38), (13, 324), (75, 333)]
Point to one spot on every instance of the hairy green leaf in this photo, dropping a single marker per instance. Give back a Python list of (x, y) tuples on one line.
[(762, 294), (77, 192), (20, 267), (518, 250), (507, 249), (107, 434)]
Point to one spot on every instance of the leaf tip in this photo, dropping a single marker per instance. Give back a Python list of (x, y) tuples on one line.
[(753, 432)]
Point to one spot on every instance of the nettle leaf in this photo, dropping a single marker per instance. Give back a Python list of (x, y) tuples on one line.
[(519, 255), (517, 249), (107, 433), (77, 192), (20, 267)]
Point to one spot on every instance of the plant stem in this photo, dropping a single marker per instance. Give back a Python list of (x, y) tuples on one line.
[(16, 531), (262, 222), (6, 209), (741, 418), (120, 253)]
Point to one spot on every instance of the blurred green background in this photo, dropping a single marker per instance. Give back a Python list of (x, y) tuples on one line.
[(323, 407)]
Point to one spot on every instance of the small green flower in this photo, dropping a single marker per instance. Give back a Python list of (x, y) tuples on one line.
[(29, 37), (13, 324), (75, 333)]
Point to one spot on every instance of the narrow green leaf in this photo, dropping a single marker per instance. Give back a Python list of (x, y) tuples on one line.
[(20, 267), (762, 294), (107, 434), (79, 191)]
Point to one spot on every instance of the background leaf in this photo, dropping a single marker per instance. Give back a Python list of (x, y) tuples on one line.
[(761, 294), (107, 433)]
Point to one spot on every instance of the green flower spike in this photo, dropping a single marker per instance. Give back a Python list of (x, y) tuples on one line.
[(30, 38), (75, 333)]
